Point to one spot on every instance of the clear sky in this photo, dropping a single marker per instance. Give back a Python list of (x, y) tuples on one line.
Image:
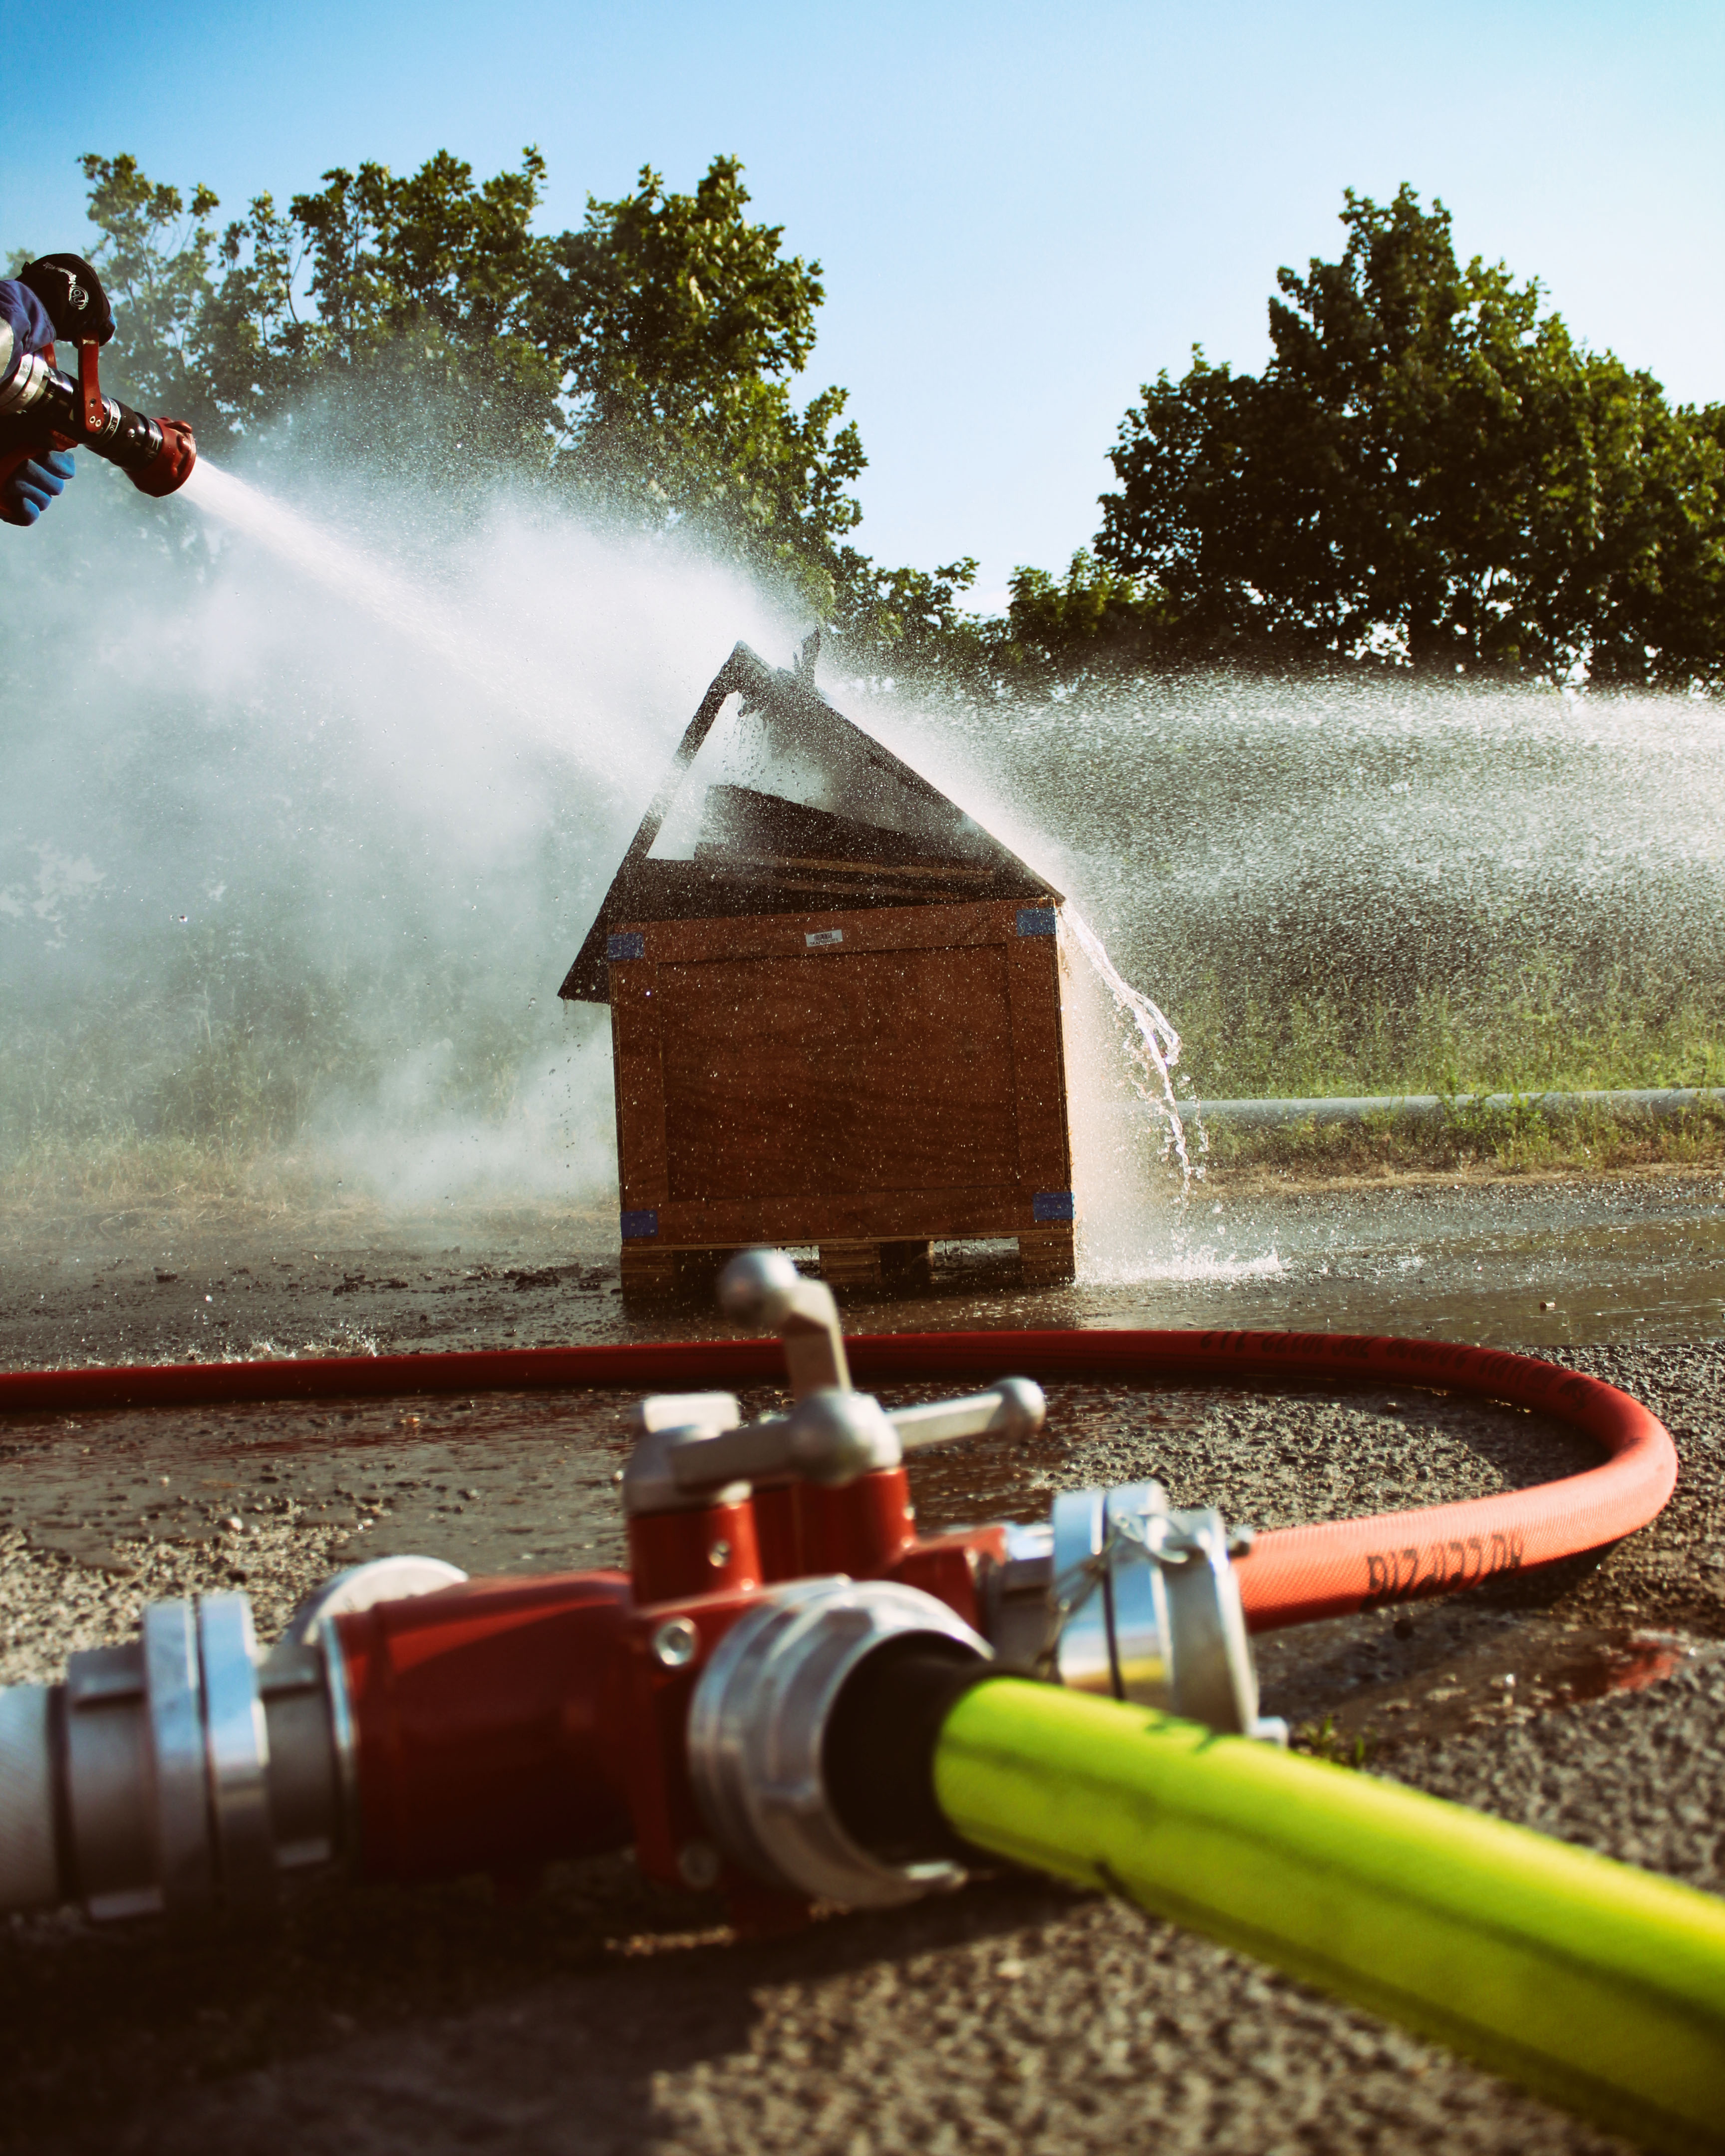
[(1024, 212)]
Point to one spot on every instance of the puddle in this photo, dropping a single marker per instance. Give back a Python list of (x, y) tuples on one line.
[(1508, 1264), (1450, 1669)]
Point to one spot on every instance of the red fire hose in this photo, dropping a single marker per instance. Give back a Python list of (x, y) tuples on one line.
[(1292, 1574)]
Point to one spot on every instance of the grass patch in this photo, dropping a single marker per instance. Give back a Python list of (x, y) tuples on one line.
[(1527, 1136), (1322, 1740), (1528, 1025), (1531, 1028), (107, 1176)]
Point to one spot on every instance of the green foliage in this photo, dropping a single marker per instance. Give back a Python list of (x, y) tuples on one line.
[(1322, 1740), (1530, 1021), (669, 299), (1428, 471), (676, 322), (1100, 621), (373, 277), (642, 361), (154, 258), (909, 621)]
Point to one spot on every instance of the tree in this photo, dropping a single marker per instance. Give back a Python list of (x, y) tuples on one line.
[(908, 621), (676, 323), (643, 362), (1097, 623), (1430, 471), (154, 258)]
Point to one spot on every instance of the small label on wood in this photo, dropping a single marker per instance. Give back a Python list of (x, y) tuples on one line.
[(1038, 921), (823, 939), (630, 945), (640, 1227), (1052, 1205)]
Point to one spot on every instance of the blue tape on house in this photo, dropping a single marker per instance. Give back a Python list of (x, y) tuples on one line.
[(1036, 920), (632, 945), (641, 1227), (1046, 1205)]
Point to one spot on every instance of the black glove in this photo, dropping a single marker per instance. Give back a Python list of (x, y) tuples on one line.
[(72, 295)]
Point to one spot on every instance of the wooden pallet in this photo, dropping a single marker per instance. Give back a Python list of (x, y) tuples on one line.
[(655, 1275), (1047, 1257), (877, 1268)]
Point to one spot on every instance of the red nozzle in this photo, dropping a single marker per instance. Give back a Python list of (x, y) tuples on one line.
[(169, 471)]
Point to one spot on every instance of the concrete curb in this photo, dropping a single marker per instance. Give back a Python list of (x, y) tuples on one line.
[(1412, 1107)]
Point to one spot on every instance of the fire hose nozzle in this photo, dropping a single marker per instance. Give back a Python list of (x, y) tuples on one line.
[(169, 468), (156, 456)]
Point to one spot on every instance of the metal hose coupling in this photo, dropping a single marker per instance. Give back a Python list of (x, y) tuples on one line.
[(182, 1773), (1122, 1595), (765, 1723)]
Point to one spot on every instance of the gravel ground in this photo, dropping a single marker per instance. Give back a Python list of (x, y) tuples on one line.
[(598, 2015)]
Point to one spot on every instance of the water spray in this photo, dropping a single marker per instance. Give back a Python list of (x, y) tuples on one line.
[(1152, 1047), (494, 669)]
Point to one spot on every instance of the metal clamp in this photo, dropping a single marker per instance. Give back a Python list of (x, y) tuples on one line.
[(236, 1748), (174, 1694), (1138, 1601), (28, 383)]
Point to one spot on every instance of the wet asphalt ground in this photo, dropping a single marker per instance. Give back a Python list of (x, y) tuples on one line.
[(601, 2015)]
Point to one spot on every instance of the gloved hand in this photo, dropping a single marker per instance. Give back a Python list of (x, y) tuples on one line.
[(72, 293), (26, 492)]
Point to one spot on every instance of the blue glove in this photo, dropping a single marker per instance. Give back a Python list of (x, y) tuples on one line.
[(33, 485)]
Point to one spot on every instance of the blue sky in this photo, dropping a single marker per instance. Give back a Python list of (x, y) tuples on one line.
[(1022, 212)]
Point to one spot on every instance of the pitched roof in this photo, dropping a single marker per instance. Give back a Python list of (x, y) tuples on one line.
[(793, 810)]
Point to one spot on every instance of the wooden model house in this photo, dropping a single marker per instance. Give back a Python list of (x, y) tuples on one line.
[(835, 1007)]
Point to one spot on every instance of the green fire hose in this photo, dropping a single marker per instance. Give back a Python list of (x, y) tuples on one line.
[(1594, 1985)]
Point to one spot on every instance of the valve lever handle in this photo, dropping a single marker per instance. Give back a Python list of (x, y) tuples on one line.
[(1013, 1409), (89, 389), (830, 1436), (814, 1345), (833, 1436), (764, 1288)]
